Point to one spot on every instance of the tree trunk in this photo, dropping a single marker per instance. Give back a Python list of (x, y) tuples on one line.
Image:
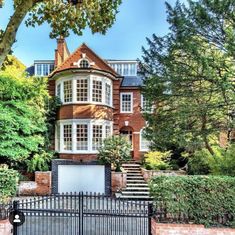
[(9, 36), (208, 147)]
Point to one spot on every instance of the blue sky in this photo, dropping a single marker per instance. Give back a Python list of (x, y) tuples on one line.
[(136, 20)]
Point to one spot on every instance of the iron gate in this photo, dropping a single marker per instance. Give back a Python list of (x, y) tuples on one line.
[(83, 214)]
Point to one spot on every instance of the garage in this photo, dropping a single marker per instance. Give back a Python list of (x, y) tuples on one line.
[(75, 176)]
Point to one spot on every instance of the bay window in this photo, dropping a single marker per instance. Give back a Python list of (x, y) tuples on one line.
[(81, 135), (85, 89)]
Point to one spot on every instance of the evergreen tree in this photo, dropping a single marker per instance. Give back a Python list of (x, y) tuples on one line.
[(190, 76)]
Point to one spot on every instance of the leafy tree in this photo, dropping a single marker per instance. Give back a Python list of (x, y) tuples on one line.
[(22, 118), (61, 15), (189, 79), (115, 150)]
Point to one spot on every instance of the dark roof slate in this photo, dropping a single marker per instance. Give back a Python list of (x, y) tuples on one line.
[(132, 81), (30, 70)]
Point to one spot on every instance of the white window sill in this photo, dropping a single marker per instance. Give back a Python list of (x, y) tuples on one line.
[(88, 103)]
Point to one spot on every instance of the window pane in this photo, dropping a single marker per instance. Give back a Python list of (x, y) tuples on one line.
[(107, 131), (84, 64), (146, 105), (133, 69), (82, 90), (45, 69), (58, 137), (82, 137), (126, 103), (125, 72), (68, 91), (97, 91), (107, 94), (144, 145), (68, 137), (96, 137), (39, 69), (119, 69), (58, 90), (51, 67)]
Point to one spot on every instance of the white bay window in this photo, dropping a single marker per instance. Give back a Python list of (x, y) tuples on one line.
[(85, 89), (81, 135)]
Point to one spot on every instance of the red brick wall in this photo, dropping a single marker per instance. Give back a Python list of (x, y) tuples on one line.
[(83, 157), (187, 229), (5, 227), (79, 111), (135, 119)]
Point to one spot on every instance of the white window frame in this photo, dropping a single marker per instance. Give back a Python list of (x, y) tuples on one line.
[(143, 110), (48, 70), (90, 79), (89, 122), (121, 100), (141, 139)]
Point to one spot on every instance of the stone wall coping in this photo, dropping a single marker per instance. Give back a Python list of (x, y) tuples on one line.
[(164, 171)]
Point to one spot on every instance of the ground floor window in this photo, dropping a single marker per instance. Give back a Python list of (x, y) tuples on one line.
[(144, 143), (127, 133), (81, 135)]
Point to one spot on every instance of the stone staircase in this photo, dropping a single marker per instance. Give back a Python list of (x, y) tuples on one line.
[(136, 188)]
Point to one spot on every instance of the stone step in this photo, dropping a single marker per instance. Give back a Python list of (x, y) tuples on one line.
[(134, 171), (136, 181), (142, 189), (144, 193), (134, 197), (137, 185), (134, 174), (130, 165), (134, 177)]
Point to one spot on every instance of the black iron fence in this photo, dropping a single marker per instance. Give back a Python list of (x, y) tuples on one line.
[(83, 214)]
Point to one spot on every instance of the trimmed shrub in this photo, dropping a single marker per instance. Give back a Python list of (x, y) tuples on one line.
[(157, 160), (8, 183), (115, 150), (208, 200)]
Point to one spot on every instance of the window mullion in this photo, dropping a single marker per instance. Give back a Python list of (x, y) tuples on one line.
[(74, 132), (61, 137), (74, 88)]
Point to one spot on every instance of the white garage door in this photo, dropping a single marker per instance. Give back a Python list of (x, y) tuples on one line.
[(81, 178)]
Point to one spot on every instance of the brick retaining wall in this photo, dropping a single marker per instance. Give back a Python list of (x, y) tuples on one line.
[(186, 229), (5, 227)]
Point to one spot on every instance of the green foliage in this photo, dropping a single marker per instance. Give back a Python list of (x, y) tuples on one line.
[(39, 162), (22, 118), (157, 160), (63, 16), (13, 66), (221, 163), (189, 76), (8, 182), (115, 150), (202, 198)]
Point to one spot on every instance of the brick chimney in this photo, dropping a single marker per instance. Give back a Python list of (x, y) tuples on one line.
[(62, 51)]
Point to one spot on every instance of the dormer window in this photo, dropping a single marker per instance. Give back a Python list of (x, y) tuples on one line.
[(84, 63)]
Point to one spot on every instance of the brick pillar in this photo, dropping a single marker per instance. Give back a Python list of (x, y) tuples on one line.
[(5, 227)]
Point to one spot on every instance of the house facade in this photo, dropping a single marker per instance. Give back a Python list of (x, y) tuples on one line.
[(99, 98)]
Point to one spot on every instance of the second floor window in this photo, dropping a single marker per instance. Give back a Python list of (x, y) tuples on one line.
[(126, 102), (68, 91), (43, 69), (82, 90), (68, 137), (97, 91), (85, 89), (97, 137)]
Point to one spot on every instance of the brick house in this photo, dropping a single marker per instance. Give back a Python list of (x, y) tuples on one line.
[(99, 98)]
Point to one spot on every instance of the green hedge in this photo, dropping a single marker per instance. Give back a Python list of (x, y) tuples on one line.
[(8, 183), (208, 200)]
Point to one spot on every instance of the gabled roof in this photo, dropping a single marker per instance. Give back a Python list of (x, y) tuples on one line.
[(97, 62)]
